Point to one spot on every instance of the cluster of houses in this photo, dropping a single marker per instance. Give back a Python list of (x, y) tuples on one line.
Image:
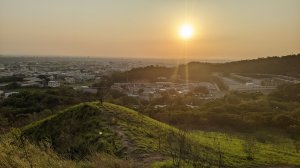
[(45, 74), (264, 83), (55, 72), (148, 91)]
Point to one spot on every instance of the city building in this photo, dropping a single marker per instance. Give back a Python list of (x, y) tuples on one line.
[(53, 84)]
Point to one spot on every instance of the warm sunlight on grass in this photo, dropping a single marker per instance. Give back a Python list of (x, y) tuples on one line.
[(186, 31)]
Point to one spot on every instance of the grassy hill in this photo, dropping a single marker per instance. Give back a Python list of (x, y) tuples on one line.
[(90, 127), (79, 132)]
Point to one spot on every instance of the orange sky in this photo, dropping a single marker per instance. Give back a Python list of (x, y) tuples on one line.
[(225, 29)]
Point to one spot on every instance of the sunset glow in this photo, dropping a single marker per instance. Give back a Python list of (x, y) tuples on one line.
[(120, 28), (186, 31)]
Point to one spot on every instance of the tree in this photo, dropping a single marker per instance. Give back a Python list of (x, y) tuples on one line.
[(13, 85), (116, 94), (219, 154), (250, 147), (140, 91), (179, 147), (201, 90), (160, 136), (103, 87), (198, 156), (297, 145), (3, 123)]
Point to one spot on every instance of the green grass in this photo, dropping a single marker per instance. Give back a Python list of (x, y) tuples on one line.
[(141, 130), (75, 132), (15, 153), (126, 133), (282, 153)]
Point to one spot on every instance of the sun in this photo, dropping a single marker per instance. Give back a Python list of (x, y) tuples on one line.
[(186, 31)]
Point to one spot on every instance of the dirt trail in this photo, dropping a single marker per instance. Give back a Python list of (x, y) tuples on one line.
[(125, 140), (140, 160)]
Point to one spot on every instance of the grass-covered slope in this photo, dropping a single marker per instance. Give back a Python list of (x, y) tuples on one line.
[(18, 152), (88, 128), (78, 131)]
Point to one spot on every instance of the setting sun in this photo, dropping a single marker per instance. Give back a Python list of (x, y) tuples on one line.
[(186, 31)]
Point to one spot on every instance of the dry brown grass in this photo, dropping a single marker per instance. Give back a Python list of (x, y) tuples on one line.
[(16, 152), (103, 160)]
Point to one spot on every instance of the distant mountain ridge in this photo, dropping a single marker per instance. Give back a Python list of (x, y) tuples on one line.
[(285, 65)]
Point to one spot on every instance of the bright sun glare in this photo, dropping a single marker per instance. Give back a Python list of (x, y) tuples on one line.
[(186, 31)]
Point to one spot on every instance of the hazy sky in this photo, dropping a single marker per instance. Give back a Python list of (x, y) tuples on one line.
[(224, 29)]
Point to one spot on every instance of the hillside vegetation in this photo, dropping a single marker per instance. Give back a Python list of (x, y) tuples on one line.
[(79, 132), (32, 104), (285, 65), (18, 152), (266, 115)]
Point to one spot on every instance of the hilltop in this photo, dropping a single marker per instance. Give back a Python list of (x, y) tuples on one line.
[(90, 127), (80, 131)]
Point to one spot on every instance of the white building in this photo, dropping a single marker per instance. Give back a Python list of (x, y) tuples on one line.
[(33, 79), (30, 84), (160, 106), (53, 84), (9, 93), (51, 77), (70, 80)]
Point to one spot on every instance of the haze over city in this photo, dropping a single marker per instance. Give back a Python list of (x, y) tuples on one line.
[(223, 29)]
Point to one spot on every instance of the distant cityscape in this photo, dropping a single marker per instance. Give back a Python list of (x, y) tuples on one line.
[(82, 73)]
